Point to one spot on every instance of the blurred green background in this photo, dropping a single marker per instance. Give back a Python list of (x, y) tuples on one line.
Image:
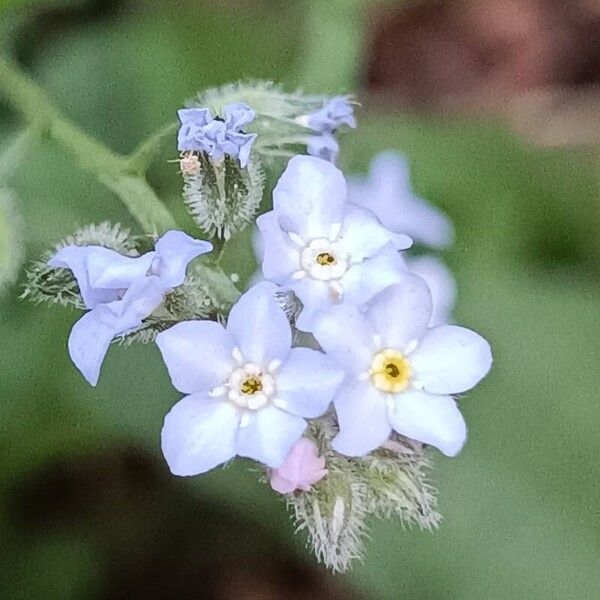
[(521, 504)]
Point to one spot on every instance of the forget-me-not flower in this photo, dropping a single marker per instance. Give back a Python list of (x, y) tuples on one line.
[(334, 113), (321, 247), (387, 192), (249, 391), (121, 291), (201, 132), (400, 374), (325, 121)]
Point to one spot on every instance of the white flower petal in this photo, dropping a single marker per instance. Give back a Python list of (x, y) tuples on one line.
[(88, 344), (259, 326), (363, 418), (269, 435), (309, 197), (441, 284), (451, 360), (430, 419), (198, 355), (363, 235), (363, 281), (76, 259), (280, 257), (307, 381), (345, 334), (175, 250), (401, 312), (199, 434), (114, 271)]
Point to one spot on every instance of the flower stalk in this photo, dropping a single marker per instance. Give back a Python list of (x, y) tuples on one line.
[(111, 169)]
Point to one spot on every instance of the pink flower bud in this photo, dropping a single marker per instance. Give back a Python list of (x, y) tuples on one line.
[(302, 468)]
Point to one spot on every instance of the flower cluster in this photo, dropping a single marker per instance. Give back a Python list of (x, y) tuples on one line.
[(338, 367), (201, 132)]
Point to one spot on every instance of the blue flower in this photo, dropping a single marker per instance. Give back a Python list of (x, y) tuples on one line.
[(400, 373), (324, 249), (387, 192), (121, 291), (249, 391), (335, 112), (201, 132)]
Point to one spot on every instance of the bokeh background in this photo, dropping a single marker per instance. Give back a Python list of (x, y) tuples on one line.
[(496, 105)]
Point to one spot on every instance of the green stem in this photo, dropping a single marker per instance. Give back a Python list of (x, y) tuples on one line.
[(110, 168)]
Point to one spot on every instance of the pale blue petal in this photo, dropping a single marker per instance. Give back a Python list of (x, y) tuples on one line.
[(346, 335), (91, 335), (114, 271), (451, 360), (307, 381), (175, 250), (388, 193), (315, 297), (141, 299), (259, 326), (323, 146), (362, 416), (280, 257), (199, 434), (76, 259), (429, 419), (335, 112), (441, 283), (363, 235), (88, 344), (269, 435), (198, 355), (400, 313), (237, 115), (243, 143), (368, 278), (309, 197)]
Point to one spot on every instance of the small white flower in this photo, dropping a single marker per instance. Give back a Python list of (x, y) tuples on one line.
[(121, 291), (249, 391), (400, 374), (388, 193), (324, 249)]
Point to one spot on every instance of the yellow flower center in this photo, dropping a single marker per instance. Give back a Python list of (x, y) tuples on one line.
[(325, 258), (390, 371), (251, 386)]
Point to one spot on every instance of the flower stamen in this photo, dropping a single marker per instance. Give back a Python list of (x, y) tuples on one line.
[(390, 371)]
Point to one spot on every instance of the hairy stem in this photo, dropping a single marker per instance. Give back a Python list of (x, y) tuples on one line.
[(110, 168)]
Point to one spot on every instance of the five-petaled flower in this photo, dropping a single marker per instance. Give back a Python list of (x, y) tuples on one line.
[(324, 249), (400, 374), (249, 391), (121, 291), (201, 132)]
